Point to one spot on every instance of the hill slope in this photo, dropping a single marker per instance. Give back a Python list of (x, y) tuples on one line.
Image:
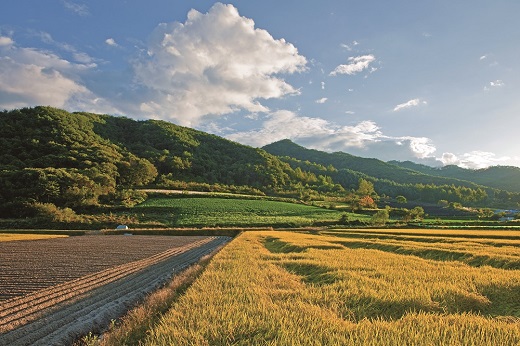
[(73, 159), (368, 166), (56, 158), (500, 177)]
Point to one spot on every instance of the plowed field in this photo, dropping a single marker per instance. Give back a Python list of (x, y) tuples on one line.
[(54, 290)]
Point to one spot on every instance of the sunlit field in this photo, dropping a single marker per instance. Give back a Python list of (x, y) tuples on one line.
[(339, 288), (13, 237), (211, 212)]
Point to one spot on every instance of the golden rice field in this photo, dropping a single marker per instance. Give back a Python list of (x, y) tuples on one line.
[(348, 287), (15, 237)]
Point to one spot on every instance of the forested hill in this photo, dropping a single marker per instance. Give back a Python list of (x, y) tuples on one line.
[(371, 167), (78, 159), (392, 179), (75, 160), (500, 177)]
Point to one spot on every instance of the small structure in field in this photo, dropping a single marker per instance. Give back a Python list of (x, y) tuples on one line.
[(122, 227)]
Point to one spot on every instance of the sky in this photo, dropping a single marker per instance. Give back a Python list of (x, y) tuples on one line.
[(434, 82)]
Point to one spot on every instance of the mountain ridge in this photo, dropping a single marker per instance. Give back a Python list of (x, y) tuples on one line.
[(78, 159)]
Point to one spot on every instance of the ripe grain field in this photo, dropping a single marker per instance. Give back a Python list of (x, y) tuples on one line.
[(82, 283), (353, 287)]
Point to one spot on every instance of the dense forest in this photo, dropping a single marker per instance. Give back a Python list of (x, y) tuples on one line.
[(77, 160)]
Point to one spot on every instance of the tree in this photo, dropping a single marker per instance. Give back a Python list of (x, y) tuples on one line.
[(136, 172), (365, 188), (401, 199), (380, 218), (366, 202), (443, 203)]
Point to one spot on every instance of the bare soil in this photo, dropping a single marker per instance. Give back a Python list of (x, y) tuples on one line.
[(75, 285)]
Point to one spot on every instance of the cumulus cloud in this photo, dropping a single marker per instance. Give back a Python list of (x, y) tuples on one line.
[(322, 100), (30, 77), (364, 139), (474, 159), (409, 104), (354, 65), (5, 41), (111, 42), (214, 63)]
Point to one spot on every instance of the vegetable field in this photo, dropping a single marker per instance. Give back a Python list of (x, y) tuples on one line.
[(208, 212), (353, 287)]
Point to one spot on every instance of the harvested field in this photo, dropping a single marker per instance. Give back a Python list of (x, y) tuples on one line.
[(30, 266), (16, 237), (81, 283)]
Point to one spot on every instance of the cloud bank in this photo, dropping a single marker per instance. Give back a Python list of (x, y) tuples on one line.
[(214, 63), (365, 138)]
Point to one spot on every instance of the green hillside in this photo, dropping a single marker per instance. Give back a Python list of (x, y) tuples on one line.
[(391, 179), (500, 177), (51, 158)]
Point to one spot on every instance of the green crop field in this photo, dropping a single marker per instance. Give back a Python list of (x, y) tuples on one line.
[(353, 287), (210, 212)]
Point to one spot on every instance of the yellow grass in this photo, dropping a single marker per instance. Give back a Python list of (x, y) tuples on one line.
[(281, 288), (442, 232), (15, 237)]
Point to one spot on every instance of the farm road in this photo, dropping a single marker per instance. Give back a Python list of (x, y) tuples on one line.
[(58, 314)]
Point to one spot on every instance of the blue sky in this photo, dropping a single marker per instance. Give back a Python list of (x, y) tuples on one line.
[(435, 82)]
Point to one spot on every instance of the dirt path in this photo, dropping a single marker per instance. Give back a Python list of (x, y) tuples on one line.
[(58, 314)]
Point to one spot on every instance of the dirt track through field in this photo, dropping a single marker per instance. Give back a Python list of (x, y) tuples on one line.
[(58, 314)]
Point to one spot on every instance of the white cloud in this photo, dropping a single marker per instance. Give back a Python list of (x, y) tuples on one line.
[(409, 104), (78, 56), (322, 100), (422, 147), (214, 63), (5, 41), (322, 85), (494, 84), (474, 159), (350, 112), (30, 77), (364, 139), (355, 65), (349, 47), (79, 9), (111, 42)]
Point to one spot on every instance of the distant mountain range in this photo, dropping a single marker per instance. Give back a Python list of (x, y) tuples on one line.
[(499, 177), (78, 159)]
